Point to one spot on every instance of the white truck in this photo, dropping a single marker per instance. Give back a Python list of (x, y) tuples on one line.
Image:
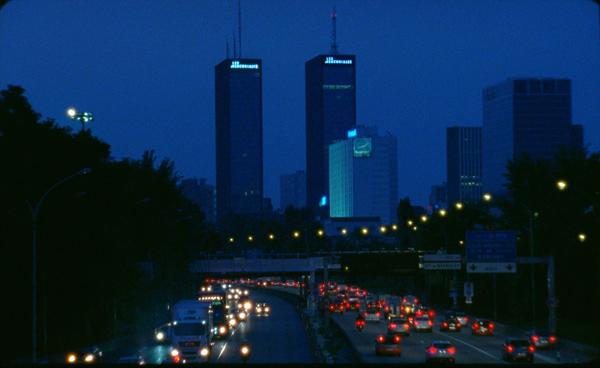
[(191, 337)]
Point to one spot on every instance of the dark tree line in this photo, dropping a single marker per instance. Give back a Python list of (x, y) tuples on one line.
[(113, 245)]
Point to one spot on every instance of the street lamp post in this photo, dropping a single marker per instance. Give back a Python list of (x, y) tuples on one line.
[(83, 117), (35, 210)]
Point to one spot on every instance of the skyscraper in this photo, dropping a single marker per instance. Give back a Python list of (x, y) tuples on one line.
[(438, 197), (293, 190), (463, 164), (330, 113), (238, 102), (363, 175), (525, 116)]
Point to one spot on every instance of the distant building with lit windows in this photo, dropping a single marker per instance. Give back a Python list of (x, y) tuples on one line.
[(330, 112), (239, 123), (363, 175), (463, 164)]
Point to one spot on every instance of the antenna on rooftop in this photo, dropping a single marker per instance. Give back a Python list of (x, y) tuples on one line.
[(333, 47)]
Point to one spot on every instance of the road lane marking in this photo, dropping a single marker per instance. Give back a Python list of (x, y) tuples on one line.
[(471, 346), (222, 350)]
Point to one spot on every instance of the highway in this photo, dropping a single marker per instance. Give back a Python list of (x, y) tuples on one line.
[(470, 349)]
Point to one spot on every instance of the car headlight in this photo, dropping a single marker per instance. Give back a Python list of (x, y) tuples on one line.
[(245, 350), (258, 309), (71, 358), (232, 322), (204, 352), (174, 352), (245, 292), (160, 336), (89, 358), (242, 315), (267, 309), (247, 305), (222, 330)]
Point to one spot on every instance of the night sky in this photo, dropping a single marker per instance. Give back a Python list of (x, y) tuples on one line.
[(146, 69)]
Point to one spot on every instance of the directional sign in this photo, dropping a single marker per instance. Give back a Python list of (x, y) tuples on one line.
[(491, 251), (441, 266), (468, 290)]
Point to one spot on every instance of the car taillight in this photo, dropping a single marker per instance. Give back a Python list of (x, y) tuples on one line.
[(356, 305), (452, 350), (531, 348), (419, 313), (509, 348), (331, 307), (430, 323), (432, 350), (466, 319), (406, 326), (491, 325), (378, 314), (444, 324), (364, 314), (535, 338), (552, 339), (431, 314), (475, 325), (396, 339), (380, 339), (457, 324), (392, 326)]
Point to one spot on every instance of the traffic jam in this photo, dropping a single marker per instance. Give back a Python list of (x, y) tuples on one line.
[(398, 318)]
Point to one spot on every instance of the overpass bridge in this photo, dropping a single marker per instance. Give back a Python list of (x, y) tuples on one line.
[(263, 265)]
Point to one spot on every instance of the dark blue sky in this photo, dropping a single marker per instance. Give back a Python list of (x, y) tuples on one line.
[(146, 69)]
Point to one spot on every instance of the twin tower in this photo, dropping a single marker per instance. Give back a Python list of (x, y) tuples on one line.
[(330, 86)]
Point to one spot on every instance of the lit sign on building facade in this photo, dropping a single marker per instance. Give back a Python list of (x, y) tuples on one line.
[(323, 201), (362, 147), (237, 65), (331, 60), (352, 133)]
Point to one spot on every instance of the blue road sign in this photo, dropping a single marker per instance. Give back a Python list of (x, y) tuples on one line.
[(491, 251)]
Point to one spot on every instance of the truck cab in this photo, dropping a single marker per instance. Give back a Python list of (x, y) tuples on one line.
[(191, 332)]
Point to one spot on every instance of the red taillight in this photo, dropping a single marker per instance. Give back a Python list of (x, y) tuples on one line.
[(416, 301), (396, 339), (331, 307), (458, 325), (431, 314), (491, 325), (452, 350), (406, 326), (432, 350), (381, 339), (364, 314), (419, 313), (356, 305), (445, 324), (475, 325), (430, 323), (176, 359), (535, 338), (531, 349), (552, 339), (387, 309), (509, 348), (392, 326), (378, 314)]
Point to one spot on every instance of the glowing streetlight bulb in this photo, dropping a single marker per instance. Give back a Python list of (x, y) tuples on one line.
[(414, 228), (442, 212), (383, 229), (271, 236), (458, 205), (344, 231), (320, 232), (409, 223), (250, 238), (71, 112), (231, 240), (487, 197), (296, 234), (423, 218), (582, 237), (394, 227), (364, 231), (561, 185)]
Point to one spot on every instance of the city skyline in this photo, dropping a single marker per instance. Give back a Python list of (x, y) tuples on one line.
[(416, 113)]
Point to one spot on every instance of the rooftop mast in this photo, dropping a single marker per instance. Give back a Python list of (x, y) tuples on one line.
[(333, 47)]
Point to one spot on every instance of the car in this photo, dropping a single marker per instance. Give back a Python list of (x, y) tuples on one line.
[(85, 356), (424, 311), (482, 327), (399, 326), (337, 306), (440, 351), (542, 339), (450, 323), (423, 324), (372, 315), (354, 303), (518, 349), (461, 316), (262, 309), (388, 345)]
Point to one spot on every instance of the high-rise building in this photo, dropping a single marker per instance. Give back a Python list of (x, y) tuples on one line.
[(363, 175), (239, 115), (330, 113), (525, 116), (202, 194), (293, 190), (463, 164), (438, 197)]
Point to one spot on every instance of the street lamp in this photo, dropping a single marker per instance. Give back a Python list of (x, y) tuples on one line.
[(487, 197), (250, 238), (461, 242), (271, 236), (423, 218), (582, 237), (442, 212), (394, 227), (344, 231), (409, 222), (414, 228), (296, 234), (35, 211), (231, 240), (364, 231), (459, 206), (320, 232), (84, 117), (382, 229), (561, 185)]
